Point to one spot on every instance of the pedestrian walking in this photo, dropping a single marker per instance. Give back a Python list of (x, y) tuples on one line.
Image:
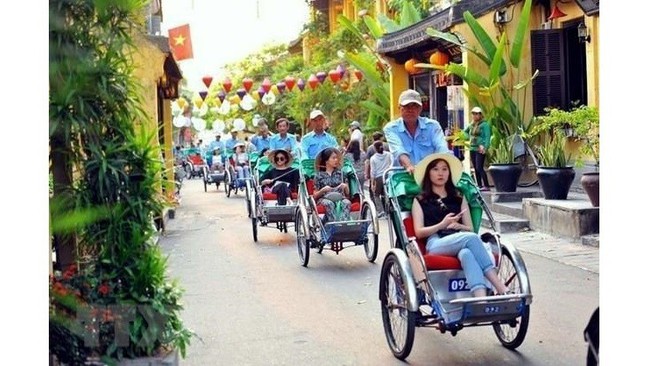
[(380, 161), (358, 159)]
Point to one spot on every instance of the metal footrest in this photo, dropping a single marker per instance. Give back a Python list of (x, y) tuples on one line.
[(277, 213), (340, 231)]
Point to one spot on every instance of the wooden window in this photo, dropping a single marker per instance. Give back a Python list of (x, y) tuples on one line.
[(548, 56)]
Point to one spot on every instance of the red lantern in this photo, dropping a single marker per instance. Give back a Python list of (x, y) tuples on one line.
[(227, 84), (439, 58), (207, 80), (410, 66), (266, 85), (335, 76), (289, 81), (313, 81), (358, 74), (247, 83)]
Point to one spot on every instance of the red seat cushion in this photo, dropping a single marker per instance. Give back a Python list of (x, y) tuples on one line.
[(196, 160), (355, 207), (273, 196), (432, 261)]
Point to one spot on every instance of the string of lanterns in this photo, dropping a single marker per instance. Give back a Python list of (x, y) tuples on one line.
[(246, 97)]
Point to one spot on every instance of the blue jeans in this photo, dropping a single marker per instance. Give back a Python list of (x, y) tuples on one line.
[(469, 249), (243, 171)]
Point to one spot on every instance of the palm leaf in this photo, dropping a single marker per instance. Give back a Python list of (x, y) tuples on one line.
[(373, 107), (347, 23), (483, 39), (468, 75), (389, 25), (522, 32), (408, 15), (497, 61), (375, 29)]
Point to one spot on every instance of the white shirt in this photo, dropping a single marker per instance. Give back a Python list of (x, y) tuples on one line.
[(379, 163), (357, 135)]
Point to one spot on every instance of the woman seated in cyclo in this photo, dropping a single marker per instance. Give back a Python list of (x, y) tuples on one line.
[(281, 178), (441, 214), (330, 185), (242, 165)]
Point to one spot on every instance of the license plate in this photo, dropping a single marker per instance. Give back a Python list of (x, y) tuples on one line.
[(458, 284)]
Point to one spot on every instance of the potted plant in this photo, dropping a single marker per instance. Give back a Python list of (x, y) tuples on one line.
[(554, 173), (503, 169), (583, 124)]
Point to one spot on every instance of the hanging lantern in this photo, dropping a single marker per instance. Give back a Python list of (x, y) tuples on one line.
[(410, 66), (203, 94), (207, 80), (301, 84), (358, 74), (227, 84), (335, 76), (247, 83), (222, 95), (341, 69), (313, 81), (439, 58), (241, 92), (281, 86), (261, 92), (320, 76), (290, 82), (181, 102), (274, 90), (266, 84), (234, 100), (556, 13)]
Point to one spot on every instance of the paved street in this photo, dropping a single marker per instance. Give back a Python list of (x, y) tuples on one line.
[(253, 304)]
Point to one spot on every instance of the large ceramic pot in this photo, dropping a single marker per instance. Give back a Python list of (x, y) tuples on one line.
[(555, 182), (505, 176), (591, 184)]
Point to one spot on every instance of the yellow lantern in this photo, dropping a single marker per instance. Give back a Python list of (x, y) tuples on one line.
[(410, 66), (439, 58), (181, 102)]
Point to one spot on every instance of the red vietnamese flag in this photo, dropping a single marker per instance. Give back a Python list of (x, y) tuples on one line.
[(180, 42)]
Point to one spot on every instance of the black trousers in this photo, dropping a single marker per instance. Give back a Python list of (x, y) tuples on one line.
[(478, 161)]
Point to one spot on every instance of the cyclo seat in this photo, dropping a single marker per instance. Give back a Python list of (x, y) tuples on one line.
[(308, 170), (403, 186), (263, 165)]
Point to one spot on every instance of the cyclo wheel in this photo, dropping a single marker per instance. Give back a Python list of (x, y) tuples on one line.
[(226, 183), (510, 336), (371, 245), (254, 221), (399, 322), (301, 241)]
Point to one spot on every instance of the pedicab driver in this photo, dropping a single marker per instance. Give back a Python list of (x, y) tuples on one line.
[(412, 137), (318, 139)]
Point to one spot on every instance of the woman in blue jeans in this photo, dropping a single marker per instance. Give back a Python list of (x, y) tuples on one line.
[(441, 214)]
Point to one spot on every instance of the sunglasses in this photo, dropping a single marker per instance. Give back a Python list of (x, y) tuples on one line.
[(279, 159)]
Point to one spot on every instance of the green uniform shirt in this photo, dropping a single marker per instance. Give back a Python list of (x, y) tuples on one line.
[(482, 136)]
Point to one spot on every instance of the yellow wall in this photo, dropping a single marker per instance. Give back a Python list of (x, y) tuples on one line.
[(399, 81), (149, 68)]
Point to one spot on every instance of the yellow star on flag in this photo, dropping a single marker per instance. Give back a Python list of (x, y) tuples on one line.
[(179, 41)]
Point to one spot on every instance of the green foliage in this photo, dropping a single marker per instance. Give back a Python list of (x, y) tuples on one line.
[(501, 94), (585, 123), (552, 153), (502, 152), (110, 203)]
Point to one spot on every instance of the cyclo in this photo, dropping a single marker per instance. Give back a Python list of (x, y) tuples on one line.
[(262, 206), (426, 290), (311, 232), (231, 181)]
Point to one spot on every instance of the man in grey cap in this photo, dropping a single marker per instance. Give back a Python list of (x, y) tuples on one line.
[(412, 137)]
